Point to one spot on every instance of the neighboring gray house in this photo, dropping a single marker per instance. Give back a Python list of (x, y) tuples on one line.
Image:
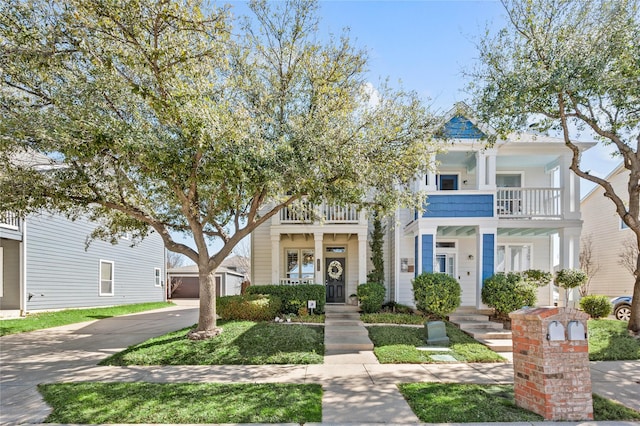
[(184, 282), (46, 265)]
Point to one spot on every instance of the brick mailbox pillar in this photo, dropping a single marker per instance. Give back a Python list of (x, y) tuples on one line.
[(551, 363)]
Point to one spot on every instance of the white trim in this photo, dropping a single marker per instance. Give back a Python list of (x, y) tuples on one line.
[(113, 277)]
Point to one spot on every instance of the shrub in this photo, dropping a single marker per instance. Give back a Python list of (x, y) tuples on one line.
[(537, 277), (371, 296), (568, 279), (596, 306), (250, 307), (294, 297), (436, 293), (507, 293)]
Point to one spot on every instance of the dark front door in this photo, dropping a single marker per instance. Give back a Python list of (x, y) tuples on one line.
[(334, 280)]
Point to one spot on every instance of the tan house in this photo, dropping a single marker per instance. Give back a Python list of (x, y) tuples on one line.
[(609, 237)]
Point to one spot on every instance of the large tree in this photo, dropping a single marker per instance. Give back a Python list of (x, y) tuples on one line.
[(164, 118), (571, 66)]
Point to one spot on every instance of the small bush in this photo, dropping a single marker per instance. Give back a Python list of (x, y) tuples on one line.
[(250, 307), (371, 296), (596, 306), (294, 297), (436, 293), (507, 293), (537, 277)]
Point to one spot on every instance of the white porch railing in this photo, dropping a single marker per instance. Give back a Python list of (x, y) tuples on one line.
[(306, 212), (10, 220), (529, 202), (296, 281)]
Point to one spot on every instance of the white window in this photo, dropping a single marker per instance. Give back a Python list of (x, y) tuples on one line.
[(445, 261), (300, 263), (106, 278), (158, 276), (513, 258)]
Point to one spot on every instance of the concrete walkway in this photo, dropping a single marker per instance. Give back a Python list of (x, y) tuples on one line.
[(357, 389)]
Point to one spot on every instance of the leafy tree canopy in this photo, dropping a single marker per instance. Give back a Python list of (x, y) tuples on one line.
[(163, 116)]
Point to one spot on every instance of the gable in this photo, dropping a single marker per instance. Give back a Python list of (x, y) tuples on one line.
[(460, 127)]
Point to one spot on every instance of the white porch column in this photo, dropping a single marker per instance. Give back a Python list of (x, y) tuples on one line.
[(275, 259), (318, 238), (570, 185), (491, 169), (429, 183), (362, 257), (570, 256), (481, 170)]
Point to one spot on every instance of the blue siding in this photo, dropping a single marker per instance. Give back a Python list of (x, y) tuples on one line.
[(460, 127), (62, 273), (488, 255), (473, 205), (427, 253)]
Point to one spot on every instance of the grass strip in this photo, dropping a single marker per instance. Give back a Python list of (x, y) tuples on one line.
[(102, 403), (609, 340), (465, 403), (44, 320), (398, 345), (241, 342)]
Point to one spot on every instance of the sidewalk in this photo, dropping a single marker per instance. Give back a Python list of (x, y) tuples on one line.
[(70, 353)]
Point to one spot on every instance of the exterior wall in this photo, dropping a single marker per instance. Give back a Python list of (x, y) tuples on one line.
[(261, 255), (602, 223), (232, 284), (62, 274), (10, 299)]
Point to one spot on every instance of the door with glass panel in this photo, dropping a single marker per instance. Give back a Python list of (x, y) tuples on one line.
[(335, 280)]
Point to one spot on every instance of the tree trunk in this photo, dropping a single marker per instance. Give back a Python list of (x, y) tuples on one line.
[(207, 324), (634, 321)]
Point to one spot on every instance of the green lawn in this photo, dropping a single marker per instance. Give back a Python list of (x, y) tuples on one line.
[(398, 345), (465, 403), (72, 316), (241, 342), (609, 341), (93, 403)]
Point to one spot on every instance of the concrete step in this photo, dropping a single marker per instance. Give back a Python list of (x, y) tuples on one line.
[(347, 342), (483, 333), (340, 309), (498, 345), (467, 317), (479, 324), (341, 322)]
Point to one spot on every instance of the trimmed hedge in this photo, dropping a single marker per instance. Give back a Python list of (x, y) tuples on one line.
[(507, 293), (249, 307), (436, 293), (294, 297), (371, 297), (596, 306)]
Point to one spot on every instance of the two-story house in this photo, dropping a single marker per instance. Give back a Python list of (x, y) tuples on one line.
[(45, 264), (509, 207)]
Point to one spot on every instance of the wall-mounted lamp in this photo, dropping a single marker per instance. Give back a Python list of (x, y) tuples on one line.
[(465, 181), (470, 257)]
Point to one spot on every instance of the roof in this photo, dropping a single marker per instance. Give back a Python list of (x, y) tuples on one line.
[(618, 169)]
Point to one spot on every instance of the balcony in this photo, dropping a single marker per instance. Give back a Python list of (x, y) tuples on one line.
[(10, 221), (540, 203), (306, 212)]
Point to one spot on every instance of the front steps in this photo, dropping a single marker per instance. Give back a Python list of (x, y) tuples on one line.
[(343, 330), (490, 333)]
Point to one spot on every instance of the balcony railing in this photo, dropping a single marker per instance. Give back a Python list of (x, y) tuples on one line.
[(306, 212), (296, 281), (10, 220), (529, 202)]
